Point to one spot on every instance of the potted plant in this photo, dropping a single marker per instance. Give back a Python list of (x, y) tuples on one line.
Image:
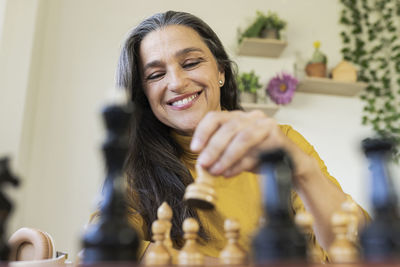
[(316, 67), (264, 26), (248, 84)]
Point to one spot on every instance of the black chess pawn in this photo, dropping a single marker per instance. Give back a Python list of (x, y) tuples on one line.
[(112, 238), (279, 240), (6, 177), (380, 240)]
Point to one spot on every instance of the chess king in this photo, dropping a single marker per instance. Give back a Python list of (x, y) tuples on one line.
[(182, 86)]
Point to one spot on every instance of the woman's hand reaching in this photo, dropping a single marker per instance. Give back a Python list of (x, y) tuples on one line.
[(230, 142)]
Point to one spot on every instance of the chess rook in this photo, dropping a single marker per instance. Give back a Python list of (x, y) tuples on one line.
[(201, 194), (112, 238), (279, 240)]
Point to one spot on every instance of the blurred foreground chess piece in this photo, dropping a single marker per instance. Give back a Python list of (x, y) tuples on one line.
[(6, 177), (233, 253), (351, 209), (279, 241), (304, 221), (190, 254), (342, 250), (164, 215), (112, 238), (380, 240), (158, 254), (201, 194)]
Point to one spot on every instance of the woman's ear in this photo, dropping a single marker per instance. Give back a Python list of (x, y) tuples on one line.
[(221, 78)]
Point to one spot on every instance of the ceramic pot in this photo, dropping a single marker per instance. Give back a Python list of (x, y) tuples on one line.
[(246, 97), (316, 69)]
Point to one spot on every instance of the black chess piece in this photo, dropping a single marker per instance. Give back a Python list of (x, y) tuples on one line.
[(6, 177), (112, 238), (279, 240), (380, 240)]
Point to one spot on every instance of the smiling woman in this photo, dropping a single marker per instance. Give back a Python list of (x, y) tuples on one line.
[(186, 113), (181, 77)]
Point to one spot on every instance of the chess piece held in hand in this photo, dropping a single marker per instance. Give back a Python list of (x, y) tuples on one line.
[(190, 253), (201, 194), (233, 253), (6, 177)]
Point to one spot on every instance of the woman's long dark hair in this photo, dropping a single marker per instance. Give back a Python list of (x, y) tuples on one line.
[(153, 168)]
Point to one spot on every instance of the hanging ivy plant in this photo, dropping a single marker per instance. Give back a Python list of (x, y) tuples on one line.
[(371, 42)]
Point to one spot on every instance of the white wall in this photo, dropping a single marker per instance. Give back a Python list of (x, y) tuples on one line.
[(70, 69)]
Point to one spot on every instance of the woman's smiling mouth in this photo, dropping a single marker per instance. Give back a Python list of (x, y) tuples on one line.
[(184, 102)]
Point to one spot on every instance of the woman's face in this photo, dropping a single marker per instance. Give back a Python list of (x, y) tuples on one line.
[(180, 76)]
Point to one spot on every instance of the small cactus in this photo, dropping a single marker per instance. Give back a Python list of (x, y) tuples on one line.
[(318, 56)]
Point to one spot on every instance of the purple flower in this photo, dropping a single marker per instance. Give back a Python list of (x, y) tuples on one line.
[(281, 88)]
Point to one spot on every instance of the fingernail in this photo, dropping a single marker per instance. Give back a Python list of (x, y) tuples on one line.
[(203, 159), (216, 169), (195, 144)]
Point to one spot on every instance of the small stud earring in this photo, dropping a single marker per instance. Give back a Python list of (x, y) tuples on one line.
[(221, 82)]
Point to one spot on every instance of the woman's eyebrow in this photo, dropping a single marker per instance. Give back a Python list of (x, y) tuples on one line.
[(157, 63), (151, 64), (188, 50)]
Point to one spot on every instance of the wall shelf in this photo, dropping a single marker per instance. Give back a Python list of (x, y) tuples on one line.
[(330, 87), (261, 47), (269, 109)]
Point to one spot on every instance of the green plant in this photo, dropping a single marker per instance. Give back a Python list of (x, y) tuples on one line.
[(263, 22), (248, 82), (370, 41), (318, 56)]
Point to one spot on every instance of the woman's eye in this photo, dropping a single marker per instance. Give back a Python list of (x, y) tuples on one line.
[(191, 63), (155, 75)]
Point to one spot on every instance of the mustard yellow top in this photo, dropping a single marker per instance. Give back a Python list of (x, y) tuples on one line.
[(238, 197)]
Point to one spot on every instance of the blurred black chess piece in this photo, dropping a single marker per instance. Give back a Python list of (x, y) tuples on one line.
[(112, 238), (279, 240), (380, 240), (6, 177)]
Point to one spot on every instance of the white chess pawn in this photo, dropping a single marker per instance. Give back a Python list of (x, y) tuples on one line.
[(190, 254), (233, 253), (304, 221), (342, 250)]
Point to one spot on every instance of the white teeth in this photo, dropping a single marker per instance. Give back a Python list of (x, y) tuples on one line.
[(184, 101)]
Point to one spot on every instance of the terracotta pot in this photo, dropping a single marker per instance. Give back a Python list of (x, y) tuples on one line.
[(246, 97), (316, 69)]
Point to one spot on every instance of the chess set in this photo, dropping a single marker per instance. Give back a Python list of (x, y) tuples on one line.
[(280, 240)]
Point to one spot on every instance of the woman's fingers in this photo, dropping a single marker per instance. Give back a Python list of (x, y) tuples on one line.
[(228, 140), (219, 142), (206, 128), (244, 145)]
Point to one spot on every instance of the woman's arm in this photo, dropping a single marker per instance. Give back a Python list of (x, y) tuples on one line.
[(230, 142)]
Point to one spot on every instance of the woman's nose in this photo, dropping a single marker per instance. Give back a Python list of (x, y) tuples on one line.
[(177, 80)]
